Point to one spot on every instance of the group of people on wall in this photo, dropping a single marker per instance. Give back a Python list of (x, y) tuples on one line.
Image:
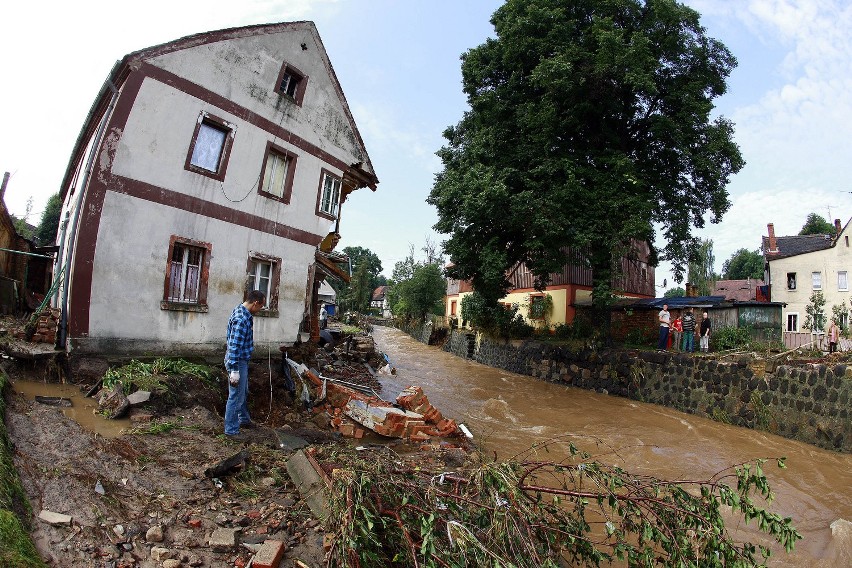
[(680, 332)]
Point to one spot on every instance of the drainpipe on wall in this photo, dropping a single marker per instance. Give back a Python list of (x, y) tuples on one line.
[(62, 336), (63, 227)]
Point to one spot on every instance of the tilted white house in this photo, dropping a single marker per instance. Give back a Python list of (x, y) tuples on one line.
[(207, 166)]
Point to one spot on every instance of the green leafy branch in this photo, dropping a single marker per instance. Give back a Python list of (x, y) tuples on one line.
[(540, 513)]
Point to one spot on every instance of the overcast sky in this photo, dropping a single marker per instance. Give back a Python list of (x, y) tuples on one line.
[(398, 64)]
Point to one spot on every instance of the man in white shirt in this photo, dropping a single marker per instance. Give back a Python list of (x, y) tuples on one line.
[(665, 320)]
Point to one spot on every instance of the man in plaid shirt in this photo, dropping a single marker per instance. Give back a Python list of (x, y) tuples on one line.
[(239, 350)]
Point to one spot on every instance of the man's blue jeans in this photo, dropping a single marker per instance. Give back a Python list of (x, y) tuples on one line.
[(236, 411), (664, 337), (689, 341)]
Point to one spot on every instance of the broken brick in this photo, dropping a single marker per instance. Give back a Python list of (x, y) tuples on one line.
[(269, 555)]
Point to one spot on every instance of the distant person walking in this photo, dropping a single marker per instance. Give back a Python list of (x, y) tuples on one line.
[(239, 349), (705, 333), (688, 323), (833, 336), (665, 319), (323, 317)]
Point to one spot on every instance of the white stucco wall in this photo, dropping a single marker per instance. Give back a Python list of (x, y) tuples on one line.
[(245, 70), (127, 283)]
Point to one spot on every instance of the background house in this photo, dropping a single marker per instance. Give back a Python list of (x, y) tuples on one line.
[(570, 289), (379, 301), (748, 290), (219, 163), (797, 266)]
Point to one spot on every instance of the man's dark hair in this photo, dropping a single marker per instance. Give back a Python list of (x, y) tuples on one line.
[(256, 296)]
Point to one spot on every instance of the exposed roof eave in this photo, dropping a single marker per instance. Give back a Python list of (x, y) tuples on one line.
[(329, 268)]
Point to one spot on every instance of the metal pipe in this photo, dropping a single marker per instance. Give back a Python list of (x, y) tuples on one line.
[(56, 262), (28, 253), (62, 336)]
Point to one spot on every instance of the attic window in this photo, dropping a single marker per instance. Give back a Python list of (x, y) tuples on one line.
[(291, 82)]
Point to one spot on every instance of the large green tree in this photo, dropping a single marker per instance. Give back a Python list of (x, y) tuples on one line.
[(817, 225), (744, 264), (589, 123), (366, 268), (49, 225), (417, 288), (700, 269)]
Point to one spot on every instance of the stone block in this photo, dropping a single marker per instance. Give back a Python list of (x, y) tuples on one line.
[(223, 538), (55, 519), (159, 553)]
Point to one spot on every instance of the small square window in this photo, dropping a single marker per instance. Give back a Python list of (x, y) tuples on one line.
[(791, 280), (264, 274), (816, 279), (186, 275), (329, 197), (279, 167), (292, 83), (210, 147), (792, 322), (842, 281)]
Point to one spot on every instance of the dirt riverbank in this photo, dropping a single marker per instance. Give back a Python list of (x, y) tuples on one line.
[(142, 499)]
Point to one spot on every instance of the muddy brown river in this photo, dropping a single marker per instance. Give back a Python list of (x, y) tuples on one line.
[(509, 413)]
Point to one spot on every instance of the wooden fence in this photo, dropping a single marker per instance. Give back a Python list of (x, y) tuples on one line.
[(794, 339)]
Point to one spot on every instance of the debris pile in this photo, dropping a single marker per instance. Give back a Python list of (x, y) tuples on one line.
[(41, 327), (411, 416)]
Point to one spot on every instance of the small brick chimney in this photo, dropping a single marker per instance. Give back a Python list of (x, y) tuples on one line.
[(773, 245), (837, 227)]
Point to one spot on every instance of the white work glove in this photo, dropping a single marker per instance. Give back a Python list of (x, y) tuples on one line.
[(234, 378)]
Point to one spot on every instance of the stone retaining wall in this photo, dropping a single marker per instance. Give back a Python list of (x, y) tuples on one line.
[(809, 402)]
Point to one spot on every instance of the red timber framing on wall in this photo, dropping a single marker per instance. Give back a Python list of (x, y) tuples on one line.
[(104, 180)]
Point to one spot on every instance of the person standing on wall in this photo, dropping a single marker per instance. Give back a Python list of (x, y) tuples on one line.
[(675, 329), (665, 319), (240, 346), (688, 323), (705, 333)]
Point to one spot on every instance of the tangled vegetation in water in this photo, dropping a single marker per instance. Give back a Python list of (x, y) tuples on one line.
[(530, 513)]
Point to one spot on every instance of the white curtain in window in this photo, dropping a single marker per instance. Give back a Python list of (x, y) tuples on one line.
[(208, 147)]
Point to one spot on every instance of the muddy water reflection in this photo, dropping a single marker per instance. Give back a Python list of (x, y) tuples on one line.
[(509, 413), (82, 410)]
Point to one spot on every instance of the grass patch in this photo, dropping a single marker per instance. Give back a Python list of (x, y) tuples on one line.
[(164, 427), (16, 549)]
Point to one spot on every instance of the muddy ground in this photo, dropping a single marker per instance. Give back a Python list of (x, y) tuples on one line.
[(142, 499)]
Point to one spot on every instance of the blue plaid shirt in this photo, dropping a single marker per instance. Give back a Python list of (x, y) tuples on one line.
[(240, 337)]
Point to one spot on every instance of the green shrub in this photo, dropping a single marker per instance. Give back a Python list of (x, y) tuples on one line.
[(729, 338)]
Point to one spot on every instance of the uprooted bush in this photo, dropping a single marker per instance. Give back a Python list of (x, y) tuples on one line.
[(528, 512)]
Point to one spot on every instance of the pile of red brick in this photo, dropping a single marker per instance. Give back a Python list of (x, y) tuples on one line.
[(45, 331)]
